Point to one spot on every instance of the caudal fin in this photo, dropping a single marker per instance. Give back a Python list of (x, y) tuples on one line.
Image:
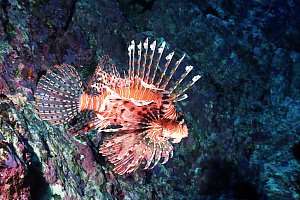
[(58, 93)]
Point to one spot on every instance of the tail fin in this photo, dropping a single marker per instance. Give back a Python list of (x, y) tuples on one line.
[(57, 94)]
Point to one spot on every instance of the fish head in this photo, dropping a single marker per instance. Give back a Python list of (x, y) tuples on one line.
[(175, 129)]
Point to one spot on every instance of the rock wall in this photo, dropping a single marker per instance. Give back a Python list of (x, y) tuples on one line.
[(244, 138)]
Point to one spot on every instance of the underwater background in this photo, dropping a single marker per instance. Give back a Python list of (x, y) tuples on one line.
[(243, 115)]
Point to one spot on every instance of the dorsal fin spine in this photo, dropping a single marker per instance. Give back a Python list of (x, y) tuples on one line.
[(129, 62), (168, 58), (181, 98), (133, 60), (139, 58), (160, 51), (188, 86), (188, 69), (152, 48), (116, 73), (113, 71), (173, 71), (145, 58)]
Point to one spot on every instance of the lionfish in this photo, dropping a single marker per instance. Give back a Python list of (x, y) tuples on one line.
[(137, 108)]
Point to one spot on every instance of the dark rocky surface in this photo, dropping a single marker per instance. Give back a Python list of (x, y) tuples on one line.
[(244, 138)]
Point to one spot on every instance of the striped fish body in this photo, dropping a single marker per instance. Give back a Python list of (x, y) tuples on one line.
[(60, 97), (153, 123), (123, 110), (141, 105)]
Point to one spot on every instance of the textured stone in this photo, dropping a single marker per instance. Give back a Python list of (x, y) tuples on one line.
[(244, 134)]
